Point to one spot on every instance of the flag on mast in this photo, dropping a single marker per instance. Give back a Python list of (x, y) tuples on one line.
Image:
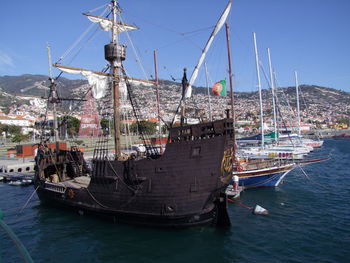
[(219, 88)]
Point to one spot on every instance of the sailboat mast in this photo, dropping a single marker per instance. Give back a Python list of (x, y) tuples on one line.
[(158, 98), (297, 94), (259, 88), (273, 95), (115, 63)]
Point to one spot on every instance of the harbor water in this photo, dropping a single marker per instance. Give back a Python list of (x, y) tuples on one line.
[(308, 221)]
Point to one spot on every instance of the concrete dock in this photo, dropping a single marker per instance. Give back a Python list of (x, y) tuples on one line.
[(17, 165)]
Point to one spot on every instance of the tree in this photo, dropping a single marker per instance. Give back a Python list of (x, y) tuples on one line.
[(104, 123), (73, 125), (105, 126), (13, 129), (4, 128), (10, 129), (145, 127), (344, 120), (19, 137)]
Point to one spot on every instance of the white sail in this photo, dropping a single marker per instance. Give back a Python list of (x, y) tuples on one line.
[(219, 24), (99, 83), (107, 24)]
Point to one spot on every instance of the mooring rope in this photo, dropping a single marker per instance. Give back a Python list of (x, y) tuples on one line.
[(31, 196), (240, 204), (309, 178)]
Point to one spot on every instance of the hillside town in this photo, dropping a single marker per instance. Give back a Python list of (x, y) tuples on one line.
[(321, 108)]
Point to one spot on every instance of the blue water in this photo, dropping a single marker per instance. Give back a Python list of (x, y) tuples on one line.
[(309, 221)]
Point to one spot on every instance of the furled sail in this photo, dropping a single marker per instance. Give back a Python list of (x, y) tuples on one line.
[(219, 24), (107, 24)]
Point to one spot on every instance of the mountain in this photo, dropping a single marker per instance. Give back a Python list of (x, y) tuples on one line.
[(37, 85), (315, 101), (320, 95)]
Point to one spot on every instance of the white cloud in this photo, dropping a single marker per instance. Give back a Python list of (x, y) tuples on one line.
[(6, 60)]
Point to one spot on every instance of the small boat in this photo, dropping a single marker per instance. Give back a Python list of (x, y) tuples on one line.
[(23, 182), (259, 176), (15, 183), (27, 181), (275, 152), (295, 139)]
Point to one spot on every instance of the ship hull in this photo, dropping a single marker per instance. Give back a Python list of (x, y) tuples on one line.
[(205, 218), (180, 188), (270, 177)]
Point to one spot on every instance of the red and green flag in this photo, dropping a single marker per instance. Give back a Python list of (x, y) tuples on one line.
[(219, 88)]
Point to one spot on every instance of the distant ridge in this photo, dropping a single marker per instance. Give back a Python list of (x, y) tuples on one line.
[(36, 84), (326, 101), (28, 84)]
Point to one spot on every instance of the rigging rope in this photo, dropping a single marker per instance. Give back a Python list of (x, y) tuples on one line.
[(99, 203), (135, 52), (93, 35), (150, 149), (98, 8), (63, 121), (80, 38)]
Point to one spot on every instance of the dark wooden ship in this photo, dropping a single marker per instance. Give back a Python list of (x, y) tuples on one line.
[(182, 187)]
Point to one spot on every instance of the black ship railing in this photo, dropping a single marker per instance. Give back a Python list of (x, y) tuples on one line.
[(201, 131)]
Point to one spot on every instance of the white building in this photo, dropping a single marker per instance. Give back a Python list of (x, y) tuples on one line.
[(22, 121)]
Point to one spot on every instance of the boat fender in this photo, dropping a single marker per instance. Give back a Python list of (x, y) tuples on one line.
[(258, 210)]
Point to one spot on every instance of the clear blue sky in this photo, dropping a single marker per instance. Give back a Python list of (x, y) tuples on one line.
[(310, 36)]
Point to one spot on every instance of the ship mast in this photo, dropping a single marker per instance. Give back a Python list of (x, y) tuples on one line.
[(298, 107), (273, 95), (231, 82), (158, 100), (53, 98), (115, 53), (259, 88), (208, 89), (229, 68)]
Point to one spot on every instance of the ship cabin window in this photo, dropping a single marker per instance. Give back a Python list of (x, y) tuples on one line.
[(196, 152)]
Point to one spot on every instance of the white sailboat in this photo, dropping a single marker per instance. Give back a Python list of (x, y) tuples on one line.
[(274, 150), (298, 140)]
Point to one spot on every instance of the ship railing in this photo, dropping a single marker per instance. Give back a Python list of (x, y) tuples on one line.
[(202, 131), (55, 187)]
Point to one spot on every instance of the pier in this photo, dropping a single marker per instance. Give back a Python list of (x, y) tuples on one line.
[(16, 165)]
